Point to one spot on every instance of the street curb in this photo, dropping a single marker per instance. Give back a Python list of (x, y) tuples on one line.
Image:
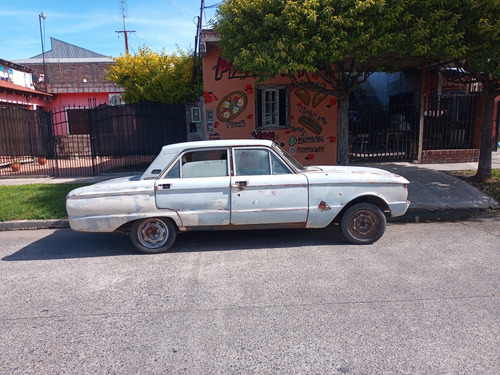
[(34, 224), (442, 215)]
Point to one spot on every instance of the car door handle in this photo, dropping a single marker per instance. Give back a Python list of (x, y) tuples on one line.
[(241, 184), (165, 186)]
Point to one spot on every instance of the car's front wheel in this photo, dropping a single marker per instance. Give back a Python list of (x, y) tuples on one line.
[(153, 235), (363, 223)]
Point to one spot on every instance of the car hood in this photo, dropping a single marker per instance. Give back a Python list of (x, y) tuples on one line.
[(357, 174)]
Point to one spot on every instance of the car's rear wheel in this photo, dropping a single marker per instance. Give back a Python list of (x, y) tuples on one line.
[(363, 223), (153, 235)]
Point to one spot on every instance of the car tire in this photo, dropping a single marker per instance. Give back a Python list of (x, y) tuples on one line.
[(153, 235), (363, 223)]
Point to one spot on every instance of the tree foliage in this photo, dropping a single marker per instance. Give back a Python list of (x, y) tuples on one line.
[(479, 27), (156, 77), (340, 41)]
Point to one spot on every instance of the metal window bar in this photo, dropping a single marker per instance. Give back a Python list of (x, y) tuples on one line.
[(383, 133), (449, 122)]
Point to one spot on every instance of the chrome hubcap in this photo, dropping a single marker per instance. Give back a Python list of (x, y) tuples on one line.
[(153, 234)]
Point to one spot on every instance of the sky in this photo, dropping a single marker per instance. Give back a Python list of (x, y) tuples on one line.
[(92, 24)]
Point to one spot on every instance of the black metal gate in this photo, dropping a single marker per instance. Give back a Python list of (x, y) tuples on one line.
[(391, 133), (383, 133), (25, 140), (449, 122), (87, 141)]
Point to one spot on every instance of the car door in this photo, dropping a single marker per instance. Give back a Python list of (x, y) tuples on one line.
[(264, 190), (197, 187)]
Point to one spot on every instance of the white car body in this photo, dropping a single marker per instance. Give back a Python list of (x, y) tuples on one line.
[(216, 191)]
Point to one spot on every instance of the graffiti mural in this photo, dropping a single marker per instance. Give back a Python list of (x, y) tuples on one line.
[(302, 121), (262, 134)]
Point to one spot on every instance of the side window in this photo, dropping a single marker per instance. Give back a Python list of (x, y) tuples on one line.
[(278, 167), (174, 172), (206, 163), (252, 162), (272, 107)]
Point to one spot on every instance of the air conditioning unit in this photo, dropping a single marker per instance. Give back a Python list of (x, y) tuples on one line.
[(115, 99)]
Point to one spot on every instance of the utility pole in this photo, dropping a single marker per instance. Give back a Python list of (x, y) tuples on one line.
[(125, 31), (195, 75), (40, 17)]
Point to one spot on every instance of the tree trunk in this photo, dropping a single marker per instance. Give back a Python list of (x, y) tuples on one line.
[(343, 130), (484, 165)]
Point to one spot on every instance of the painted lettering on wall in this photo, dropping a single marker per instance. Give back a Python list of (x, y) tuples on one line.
[(214, 135), (270, 135), (224, 66), (306, 150), (313, 115), (297, 129), (317, 139), (237, 124), (301, 140)]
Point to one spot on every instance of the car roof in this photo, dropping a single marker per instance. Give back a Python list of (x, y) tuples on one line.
[(177, 147), (169, 152)]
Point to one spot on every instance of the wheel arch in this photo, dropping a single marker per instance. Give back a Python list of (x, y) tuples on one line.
[(170, 215), (369, 198)]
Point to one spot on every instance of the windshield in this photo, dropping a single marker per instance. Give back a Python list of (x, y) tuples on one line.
[(289, 158)]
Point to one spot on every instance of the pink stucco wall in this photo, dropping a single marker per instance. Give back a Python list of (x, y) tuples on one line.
[(61, 102), (79, 100)]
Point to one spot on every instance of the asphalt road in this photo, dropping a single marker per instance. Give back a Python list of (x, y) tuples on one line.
[(425, 299)]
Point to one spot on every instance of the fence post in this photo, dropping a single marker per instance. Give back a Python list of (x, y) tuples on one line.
[(92, 136), (421, 114)]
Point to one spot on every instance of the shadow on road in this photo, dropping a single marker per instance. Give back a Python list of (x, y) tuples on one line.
[(67, 244)]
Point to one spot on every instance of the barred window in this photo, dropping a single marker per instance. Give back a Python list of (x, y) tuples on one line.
[(272, 107)]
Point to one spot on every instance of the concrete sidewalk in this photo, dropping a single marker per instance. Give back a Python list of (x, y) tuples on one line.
[(437, 196), (434, 194)]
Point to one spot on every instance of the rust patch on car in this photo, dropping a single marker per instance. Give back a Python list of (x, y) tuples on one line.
[(323, 206)]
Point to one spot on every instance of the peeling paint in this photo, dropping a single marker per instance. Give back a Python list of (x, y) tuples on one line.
[(323, 206)]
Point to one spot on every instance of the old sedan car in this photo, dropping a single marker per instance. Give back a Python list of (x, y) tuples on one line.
[(237, 184)]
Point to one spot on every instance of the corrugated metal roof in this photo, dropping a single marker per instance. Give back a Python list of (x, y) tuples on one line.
[(63, 50)]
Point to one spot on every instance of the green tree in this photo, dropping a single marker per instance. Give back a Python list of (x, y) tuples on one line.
[(340, 41), (156, 77), (480, 27)]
